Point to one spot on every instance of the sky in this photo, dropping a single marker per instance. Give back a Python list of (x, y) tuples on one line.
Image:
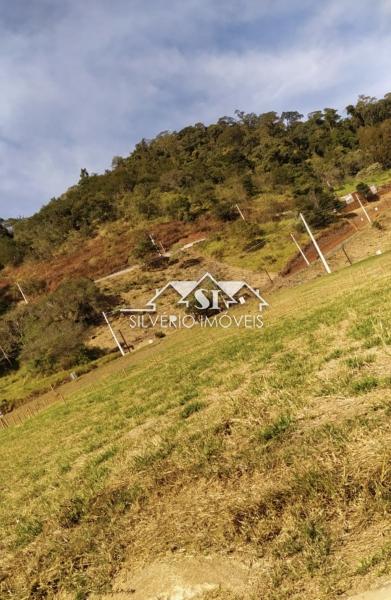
[(83, 81)]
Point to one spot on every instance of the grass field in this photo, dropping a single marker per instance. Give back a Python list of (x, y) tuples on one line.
[(378, 179), (268, 446)]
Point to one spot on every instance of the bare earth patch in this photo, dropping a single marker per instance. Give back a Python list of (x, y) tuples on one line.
[(383, 593), (181, 578)]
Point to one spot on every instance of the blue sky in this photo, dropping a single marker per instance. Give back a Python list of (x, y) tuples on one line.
[(81, 82)]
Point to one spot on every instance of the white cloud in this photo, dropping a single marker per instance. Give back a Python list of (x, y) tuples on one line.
[(88, 81)]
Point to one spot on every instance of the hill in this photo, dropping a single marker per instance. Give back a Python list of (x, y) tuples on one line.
[(253, 460), (268, 162), (228, 463), (238, 184)]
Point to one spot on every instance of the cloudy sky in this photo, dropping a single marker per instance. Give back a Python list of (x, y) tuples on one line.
[(82, 81)]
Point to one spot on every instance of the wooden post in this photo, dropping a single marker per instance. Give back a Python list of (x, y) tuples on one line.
[(364, 209), (268, 274), (240, 212), (300, 250), (319, 251), (155, 244), (7, 358), (346, 254), (113, 334), (22, 292), (124, 340)]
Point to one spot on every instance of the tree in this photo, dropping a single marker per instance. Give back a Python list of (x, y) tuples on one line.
[(53, 345), (11, 252), (144, 249), (53, 330), (375, 142), (318, 203)]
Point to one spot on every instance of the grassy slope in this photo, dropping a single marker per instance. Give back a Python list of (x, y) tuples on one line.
[(273, 256), (379, 179), (282, 435)]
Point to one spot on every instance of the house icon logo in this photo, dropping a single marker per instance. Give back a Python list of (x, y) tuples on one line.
[(204, 294)]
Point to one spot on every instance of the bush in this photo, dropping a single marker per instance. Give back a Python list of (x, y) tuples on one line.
[(225, 211), (144, 248)]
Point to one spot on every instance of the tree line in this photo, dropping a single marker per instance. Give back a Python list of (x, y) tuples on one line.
[(202, 169)]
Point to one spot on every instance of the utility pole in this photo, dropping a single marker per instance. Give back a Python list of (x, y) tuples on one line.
[(300, 250), (319, 251), (113, 334), (22, 292), (364, 209), (240, 212)]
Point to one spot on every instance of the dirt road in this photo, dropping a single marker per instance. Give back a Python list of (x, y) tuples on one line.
[(129, 269)]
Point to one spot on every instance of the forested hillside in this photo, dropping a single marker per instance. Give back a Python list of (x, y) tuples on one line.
[(208, 169), (271, 165)]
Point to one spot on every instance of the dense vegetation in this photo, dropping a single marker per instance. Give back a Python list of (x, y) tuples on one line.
[(181, 175), (50, 333)]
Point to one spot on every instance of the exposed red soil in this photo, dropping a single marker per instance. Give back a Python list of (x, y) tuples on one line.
[(176, 231), (104, 255), (327, 241), (81, 262), (334, 237)]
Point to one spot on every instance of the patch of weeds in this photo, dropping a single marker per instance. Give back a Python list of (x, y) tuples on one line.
[(64, 467), (26, 530), (364, 329), (93, 445), (188, 395), (337, 353), (71, 512), (191, 408), (117, 500), (384, 555), (372, 342), (109, 453), (357, 362), (143, 461), (279, 426), (365, 384), (133, 411)]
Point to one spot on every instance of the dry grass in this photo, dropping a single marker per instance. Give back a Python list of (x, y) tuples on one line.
[(286, 462)]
